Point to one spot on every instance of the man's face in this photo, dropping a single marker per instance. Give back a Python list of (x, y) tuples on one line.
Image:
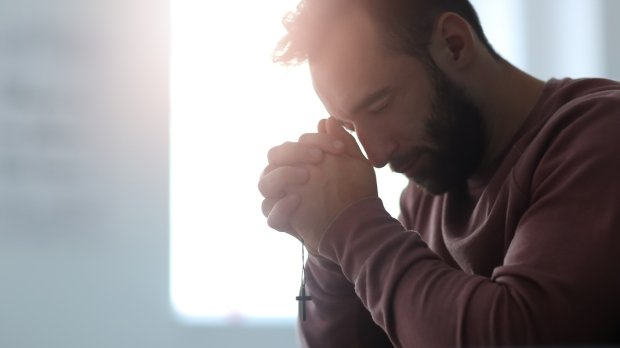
[(405, 113)]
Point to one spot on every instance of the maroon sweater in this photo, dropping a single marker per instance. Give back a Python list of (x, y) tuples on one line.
[(529, 254)]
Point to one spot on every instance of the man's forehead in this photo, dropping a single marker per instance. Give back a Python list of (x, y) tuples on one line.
[(345, 66), (345, 103)]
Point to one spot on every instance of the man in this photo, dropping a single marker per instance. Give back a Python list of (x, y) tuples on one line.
[(509, 232)]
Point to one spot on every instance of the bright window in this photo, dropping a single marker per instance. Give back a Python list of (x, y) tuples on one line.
[(230, 104)]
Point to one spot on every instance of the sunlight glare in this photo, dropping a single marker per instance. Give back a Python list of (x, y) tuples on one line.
[(229, 105)]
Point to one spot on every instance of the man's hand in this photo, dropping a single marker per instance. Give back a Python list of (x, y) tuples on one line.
[(286, 169), (333, 185)]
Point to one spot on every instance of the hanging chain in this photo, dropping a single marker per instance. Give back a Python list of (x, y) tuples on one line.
[(302, 298)]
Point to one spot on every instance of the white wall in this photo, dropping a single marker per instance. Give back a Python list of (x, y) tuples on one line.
[(611, 47), (83, 182), (554, 38)]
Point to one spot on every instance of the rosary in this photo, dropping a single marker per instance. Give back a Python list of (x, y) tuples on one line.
[(302, 298)]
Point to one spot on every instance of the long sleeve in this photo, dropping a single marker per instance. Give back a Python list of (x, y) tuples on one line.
[(336, 316), (419, 301)]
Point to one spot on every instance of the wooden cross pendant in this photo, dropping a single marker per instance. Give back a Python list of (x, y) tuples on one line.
[(302, 298)]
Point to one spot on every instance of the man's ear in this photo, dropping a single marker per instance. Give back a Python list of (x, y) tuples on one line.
[(453, 43)]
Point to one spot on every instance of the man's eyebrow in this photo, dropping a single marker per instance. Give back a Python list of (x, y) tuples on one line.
[(370, 99)]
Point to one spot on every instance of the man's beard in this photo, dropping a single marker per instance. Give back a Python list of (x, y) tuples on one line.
[(457, 136)]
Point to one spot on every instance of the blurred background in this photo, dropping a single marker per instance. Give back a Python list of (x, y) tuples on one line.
[(132, 135)]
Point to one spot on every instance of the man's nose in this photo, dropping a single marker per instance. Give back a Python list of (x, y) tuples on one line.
[(378, 148)]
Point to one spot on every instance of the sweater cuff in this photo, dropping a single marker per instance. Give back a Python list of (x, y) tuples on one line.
[(356, 233)]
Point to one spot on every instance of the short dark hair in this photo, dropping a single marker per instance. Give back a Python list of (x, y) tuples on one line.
[(407, 24)]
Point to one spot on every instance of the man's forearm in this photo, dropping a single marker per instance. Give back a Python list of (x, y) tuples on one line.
[(336, 316)]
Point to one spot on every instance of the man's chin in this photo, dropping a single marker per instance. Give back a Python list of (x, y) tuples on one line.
[(430, 173), (435, 184), (422, 178), (436, 176)]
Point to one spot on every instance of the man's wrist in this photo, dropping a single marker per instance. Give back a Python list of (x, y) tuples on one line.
[(351, 211)]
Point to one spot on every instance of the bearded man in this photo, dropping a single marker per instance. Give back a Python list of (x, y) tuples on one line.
[(509, 232)]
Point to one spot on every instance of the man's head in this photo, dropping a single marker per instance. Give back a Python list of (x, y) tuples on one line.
[(406, 25), (387, 69)]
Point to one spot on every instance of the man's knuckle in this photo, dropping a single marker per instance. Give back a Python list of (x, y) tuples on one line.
[(272, 154), (263, 186), (275, 222), (305, 137), (267, 206)]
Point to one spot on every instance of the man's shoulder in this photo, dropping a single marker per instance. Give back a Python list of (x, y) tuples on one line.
[(568, 89), (579, 103), (583, 103), (577, 126), (577, 97)]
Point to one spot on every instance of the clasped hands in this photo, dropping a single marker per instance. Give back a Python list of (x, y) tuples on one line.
[(308, 183)]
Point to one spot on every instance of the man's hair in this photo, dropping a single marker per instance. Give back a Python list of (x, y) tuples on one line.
[(406, 24)]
